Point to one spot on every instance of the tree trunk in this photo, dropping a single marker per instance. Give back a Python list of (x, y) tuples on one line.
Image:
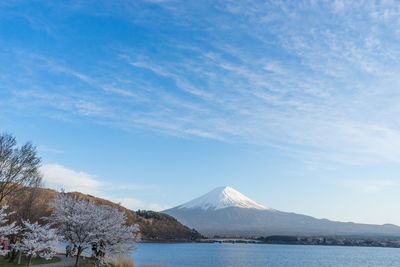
[(19, 257), (77, 256), (29, 261), (13, 255)]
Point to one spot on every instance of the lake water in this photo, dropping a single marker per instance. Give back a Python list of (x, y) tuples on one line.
[(232, 255)]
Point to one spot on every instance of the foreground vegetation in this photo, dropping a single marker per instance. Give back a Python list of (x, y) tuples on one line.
[(34, 219), (4, 262), (34, 228), (117, 262)]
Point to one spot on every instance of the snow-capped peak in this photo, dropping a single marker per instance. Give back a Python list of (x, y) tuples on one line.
[(223, 197)]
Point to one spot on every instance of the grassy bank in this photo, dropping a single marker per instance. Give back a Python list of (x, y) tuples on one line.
[(4, 262)]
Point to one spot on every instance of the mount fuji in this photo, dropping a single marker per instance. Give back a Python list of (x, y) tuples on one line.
[(225, 211), (223, 197)]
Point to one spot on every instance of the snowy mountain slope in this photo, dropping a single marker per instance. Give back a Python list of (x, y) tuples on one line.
[(225, 211), (222, 197)]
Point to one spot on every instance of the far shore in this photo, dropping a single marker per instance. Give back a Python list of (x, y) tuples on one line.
[(310, 241)]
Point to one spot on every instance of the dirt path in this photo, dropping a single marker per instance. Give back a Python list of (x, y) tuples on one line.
[(65, 262)]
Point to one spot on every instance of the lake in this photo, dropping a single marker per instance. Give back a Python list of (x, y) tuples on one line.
[(224, 255)]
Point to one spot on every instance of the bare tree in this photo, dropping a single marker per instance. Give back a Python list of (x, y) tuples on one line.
[(19, 166)]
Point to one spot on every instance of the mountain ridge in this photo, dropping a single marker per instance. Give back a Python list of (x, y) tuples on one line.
[(238, 220)]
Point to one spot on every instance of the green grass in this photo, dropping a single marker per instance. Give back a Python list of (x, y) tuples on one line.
[(5, 263), (84, 265), (88, 264)]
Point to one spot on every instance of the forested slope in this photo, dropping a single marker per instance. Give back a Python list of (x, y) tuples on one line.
[(154, 226)]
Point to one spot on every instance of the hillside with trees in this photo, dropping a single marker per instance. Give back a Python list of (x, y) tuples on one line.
[(154, 226), (160, 226)]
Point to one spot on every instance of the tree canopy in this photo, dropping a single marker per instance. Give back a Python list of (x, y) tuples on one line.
[(19, 166), (101, 228)]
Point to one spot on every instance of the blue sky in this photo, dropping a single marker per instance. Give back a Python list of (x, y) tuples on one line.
[(152, 103)]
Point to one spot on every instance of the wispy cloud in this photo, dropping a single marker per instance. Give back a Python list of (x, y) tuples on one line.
[(369, 186), (315, 80), (50, 149)]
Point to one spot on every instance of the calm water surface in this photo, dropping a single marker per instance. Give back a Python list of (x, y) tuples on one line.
[(263, 255)]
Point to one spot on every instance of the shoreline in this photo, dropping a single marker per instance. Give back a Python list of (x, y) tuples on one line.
[(381, 244)]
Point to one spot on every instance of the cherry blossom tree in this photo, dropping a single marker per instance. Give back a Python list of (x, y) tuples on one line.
[(37, 240), (113, 237), (89, 226), (5, 228)]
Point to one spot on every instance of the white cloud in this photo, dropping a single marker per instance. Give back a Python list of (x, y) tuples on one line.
[(89, 108), (136, 204), (50, 149), (58, 177), (338, 5), (368, 186)]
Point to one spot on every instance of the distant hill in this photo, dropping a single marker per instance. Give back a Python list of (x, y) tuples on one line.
[(154, 226), (225, 211)]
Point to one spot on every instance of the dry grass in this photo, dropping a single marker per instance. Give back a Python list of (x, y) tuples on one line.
[(122, 262)]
